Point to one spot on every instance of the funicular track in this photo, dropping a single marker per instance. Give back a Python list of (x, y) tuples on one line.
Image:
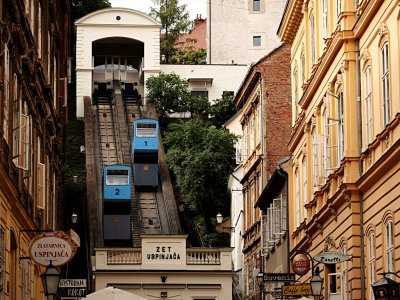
[(114, 118)]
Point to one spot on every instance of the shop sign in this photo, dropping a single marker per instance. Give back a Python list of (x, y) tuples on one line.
[(279, 277), (72, 288), (300, 264), (56, 247), (331, 257), (297, 290)]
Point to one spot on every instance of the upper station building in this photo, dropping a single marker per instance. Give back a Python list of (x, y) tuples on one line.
[(124, 44)]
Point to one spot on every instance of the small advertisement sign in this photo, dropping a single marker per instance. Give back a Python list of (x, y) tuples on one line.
[(297, 290), (300, 264)]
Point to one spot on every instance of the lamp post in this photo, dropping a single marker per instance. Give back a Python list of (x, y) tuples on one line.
[(316, 284), (260, 282), (50, 280)]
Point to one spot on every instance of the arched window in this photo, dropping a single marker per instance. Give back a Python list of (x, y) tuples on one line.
[(371, 260), (296, 92), (389, 249)]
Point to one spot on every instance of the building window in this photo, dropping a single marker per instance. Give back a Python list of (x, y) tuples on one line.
[(251, 134), (200, 94), (312, 40), (256, 5), (257, 41), (368, 106), (385, 84), (296, 92), (324, 19), (389, 247), (6, 88), (245, 135), (344, 274), (297, 198), (315, 159), (371, 261), (341, 126), (305, 197), (303, 67), (338, 9)]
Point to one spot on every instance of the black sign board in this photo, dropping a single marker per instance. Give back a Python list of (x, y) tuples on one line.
[(71, 292), (72, 288), (280, 277)]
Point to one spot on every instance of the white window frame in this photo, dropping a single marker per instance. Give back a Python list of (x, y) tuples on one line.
[(2, 261), (259, 121), (338, 9), (245, 149), (324, 20), (41, 185), (385, 83), (389, 250), (6, 87), (252, 134), (297, 198), (305, 184), (371, 260), (368, 106), (315, 159), (312, 39), (341, 126), (343, 277)]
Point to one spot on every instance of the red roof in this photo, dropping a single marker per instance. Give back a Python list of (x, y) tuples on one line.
[(196, 38)]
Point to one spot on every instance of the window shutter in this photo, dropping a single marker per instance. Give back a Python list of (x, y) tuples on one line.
[(41, 193), (24, 142)]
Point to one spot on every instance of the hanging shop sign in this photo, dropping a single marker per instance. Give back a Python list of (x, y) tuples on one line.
[(300, 264), (297, 290), (331, 257), (56, 247), (279, 277), (75, 288)]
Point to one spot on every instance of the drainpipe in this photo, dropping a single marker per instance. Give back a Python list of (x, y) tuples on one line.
[(209, 32), (360, 168)]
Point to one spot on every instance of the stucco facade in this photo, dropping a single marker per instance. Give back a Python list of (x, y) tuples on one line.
[(242, 31), (345, 138), (33, 116), (164, 266)]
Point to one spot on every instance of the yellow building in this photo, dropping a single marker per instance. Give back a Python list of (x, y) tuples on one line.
[(345, 138), (33, 99)]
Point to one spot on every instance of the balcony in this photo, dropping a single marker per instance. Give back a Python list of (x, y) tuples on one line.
[(133, 259)]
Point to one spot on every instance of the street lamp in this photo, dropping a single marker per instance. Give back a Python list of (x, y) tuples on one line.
[(316, 284), (386, 288), (260, 282), (74, 218), (50, 280)]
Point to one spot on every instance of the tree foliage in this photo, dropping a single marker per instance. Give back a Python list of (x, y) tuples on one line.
[(222, 110), (174, 20), (81, 8), (169, 92), (201, 159), (189, 55)]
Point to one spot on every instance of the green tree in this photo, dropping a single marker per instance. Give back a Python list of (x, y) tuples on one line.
[(201, 159), (222, 110), (189, 55), (174, 19), (169, 92), (81, 8)]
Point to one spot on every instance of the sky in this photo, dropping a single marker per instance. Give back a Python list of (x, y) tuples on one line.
[(194, 7)]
